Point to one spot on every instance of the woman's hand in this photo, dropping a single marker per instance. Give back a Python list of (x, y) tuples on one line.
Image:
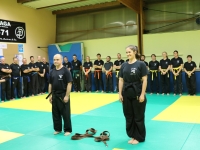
[(120, 98), (141, 98)]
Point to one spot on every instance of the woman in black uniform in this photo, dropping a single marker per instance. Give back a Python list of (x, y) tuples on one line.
[(153, 68), (87, 67), (164, 68), (132, 87), (189, 68)]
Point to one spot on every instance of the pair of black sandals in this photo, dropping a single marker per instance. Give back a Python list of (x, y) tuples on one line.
[(104, 136)]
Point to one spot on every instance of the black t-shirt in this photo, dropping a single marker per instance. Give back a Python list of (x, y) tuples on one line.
[(24, 67), (108, 65), (46, 67), (145, 63), (4, 66), (153, 65), (87, 65), (33, 65), (118, 63), (176, 62), (133, 72), (67, 65), (164, 64), (76, 65), (190, 66), (15, 70), (40, 65), (98, 63), (59, 79)]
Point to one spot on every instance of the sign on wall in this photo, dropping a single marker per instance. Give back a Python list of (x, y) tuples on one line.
[(20, 48), (11, 31)]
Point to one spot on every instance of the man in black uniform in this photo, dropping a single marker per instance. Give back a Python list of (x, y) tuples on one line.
[(60, 83), (25, 73), (77, 67), (53, 66), (108, 66), (41, 73), (98, 65), (190, 67), (15, 79), (132, 87), (46, 75), (165, 73), (67, 64), (5, 86), (142, 58), (87, 66), (117, 66), (154, 68), (34, 76), (176, 68)]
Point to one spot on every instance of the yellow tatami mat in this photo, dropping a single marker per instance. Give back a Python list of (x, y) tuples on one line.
[(6, 136), (185, 109), (80, 102)]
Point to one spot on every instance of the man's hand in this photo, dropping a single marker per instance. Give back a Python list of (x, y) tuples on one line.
[(66, 99), (50, 99)]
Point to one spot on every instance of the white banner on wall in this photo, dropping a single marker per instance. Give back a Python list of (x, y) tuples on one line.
[(1, 52), (19, 57), (3, 46)]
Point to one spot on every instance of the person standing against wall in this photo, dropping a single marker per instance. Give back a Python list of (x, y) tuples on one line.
[(98, 65), (76, 71), (117, 66), (190, 68), (108, 66), (142, 58), (154, 68), (15, 79), (132, 87), (34, 76), (41, 75), (5, 86), (67, 64), (164, 68), (87, 69), (46, 75), (176, 68)]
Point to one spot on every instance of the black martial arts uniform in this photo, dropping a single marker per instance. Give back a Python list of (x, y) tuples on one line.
[(153, 69), (46, 76), (76, 73), (98, 75), (146, 63), (5, 86), (134, 111), (15, 81), (67, 65), (59, 80), (190, 80), (41, 80), (34, 79), (88, 77), (109, 82), (26, 80), (118, 63), (176, 64), (165, 78)]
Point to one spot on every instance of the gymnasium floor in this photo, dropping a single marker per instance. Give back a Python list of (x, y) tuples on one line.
[(172, 122)]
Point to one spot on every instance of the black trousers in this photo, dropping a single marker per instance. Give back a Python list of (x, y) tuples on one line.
[(26, 87), (16, 84), (154, 82), (178, 87), (191, 84), (61, 111), (87, 82), (98, 80), (46, 82), (76, 81), (109, 83), (34, 84), (134, 113), (6, 90), (41, 84), (165, 82)]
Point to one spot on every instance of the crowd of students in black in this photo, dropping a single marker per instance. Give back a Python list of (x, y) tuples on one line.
[(35, 75)]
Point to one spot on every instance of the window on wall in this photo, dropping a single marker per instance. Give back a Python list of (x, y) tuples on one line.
[(156, 19), (105, 24)]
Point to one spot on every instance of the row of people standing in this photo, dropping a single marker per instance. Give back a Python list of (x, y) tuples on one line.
[(34, 76), (175, 65)]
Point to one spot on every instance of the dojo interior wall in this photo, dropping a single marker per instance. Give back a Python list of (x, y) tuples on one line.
[(40, 26)]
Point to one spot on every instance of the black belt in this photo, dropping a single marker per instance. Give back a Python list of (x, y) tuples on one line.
[(56, 94), (133, 85)]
